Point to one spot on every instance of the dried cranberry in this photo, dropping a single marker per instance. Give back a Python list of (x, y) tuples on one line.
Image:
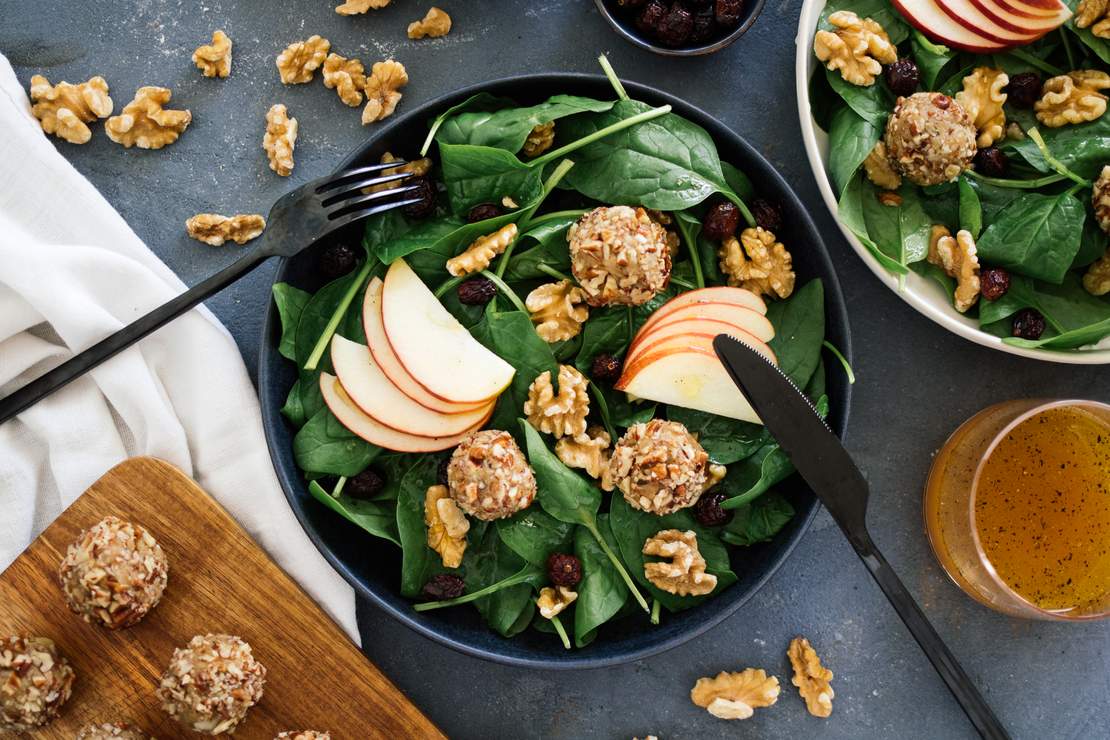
[(477, 291), (483, 212), (336, 261), (1028, 323), (426, 192), (728, 12), (366, 484), (991, 161), (443, 586), (767, 215), (902, 77), (708, 510), (993, 283), (675, 27), (721, 221), (564, 570), (605, 367), (651, 15), (705, 25), (441, 471), (1024, 89)]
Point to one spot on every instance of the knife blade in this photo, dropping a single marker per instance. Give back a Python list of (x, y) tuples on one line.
[(826, 466)]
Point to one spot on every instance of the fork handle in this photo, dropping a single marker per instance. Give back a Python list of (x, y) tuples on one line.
[(958, 682), (84, 361)]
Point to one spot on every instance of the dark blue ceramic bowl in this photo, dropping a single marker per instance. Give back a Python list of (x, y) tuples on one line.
[(372, 566)]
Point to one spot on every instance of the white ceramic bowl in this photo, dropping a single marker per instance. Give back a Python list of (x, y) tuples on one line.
[(923, 294)]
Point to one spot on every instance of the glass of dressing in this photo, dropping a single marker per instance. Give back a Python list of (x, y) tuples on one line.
[(1017, 508)]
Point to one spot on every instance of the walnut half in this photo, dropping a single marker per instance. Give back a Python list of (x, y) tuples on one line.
[(347, 76), (214, 229), (145, 123), (65, 109), (553, 601), (811, 678), (589, 452), (358, 7), (982, 98), (447, 526), (736, 695), (957, 257), (298, 62), (858, 48), (383, 90), (558, 310), (1072, 98), (214, 60), (280, 139), (434, 24), (878, 169), (758, 262), (684, 574), (1093, 14), (561, 414), (482, 251)]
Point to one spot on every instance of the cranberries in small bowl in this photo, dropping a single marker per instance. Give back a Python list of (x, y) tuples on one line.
[(680, 27)]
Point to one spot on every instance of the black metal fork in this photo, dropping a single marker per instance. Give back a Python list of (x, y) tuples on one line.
[(295, 222)]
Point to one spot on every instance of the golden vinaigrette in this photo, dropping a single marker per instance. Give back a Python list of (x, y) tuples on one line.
[(1042, 509)]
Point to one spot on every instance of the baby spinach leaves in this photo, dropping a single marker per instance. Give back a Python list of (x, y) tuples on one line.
[(799, 323), (759, 521), (1037, 235), (500, 583), (931, 58), (872, 103), (549, 251), (971, 210), (379, 518), (481, 174), (601, 594), (418, 561), (509, 127), (1074, 316), (290, 303), (851, 139), (323, 445), (511, 336), (533, 534), (483, 101), (850, 210)]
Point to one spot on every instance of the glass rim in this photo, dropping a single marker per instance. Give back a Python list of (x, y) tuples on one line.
[(985, 561)]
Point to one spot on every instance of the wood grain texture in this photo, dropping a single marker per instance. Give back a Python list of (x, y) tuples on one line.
[(219, 581)]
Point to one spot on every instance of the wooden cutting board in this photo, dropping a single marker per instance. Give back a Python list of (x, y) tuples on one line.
[(219, 581)]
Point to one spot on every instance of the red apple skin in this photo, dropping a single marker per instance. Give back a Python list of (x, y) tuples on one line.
[(963, 12), (715, 294), (694, 328), (698, 341), (1033, 8), (1022, 24), (943, 36), (633, 369)]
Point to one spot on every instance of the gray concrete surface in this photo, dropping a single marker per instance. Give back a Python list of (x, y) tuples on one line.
[(916, 382)]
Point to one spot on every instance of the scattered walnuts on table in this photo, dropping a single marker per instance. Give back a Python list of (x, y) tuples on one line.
[(658, 466), (214, 60), (982, 98), (811, 678), (298, 62), (930, 138), (619, 255), (758, 262), (145, 123), (214, 229), (280, 139), (858, 48), (447, 526), (553, 601), (684, 572), (481, 252), (539, 139), (589, 452), (65, 109), (382, 90), (358, 7), (489, 477), (35, 681), (346, 76), (957, 257), (878, 169), (434, 24), (561, 414), (558, 310), (1072, 98), (736, 695), (1093, 14)]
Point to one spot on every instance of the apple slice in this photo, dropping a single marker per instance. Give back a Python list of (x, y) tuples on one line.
[(752, 322), (1033, 8), (719, 294), (691, 378), (928, 17), (699, 336), (351, 416), (379, 399), (433, 347), (970, 17), (997, 11), (390, 365)]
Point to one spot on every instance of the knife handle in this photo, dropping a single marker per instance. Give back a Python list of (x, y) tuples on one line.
[(958, 682)]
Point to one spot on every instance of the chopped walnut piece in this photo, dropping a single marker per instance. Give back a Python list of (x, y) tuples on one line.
[(1072, 98), (758, 262), (145, 123), (716, 474), (982, 99), (736, 695), (561, 414), (1100, 199), (299, 61), (482, 251), (347, 76), (879, 170), (553, 601), (858, 48), (684, 574), (64, 109), (1097, 278), (358, 7), (539, 139), (214, 60), (214, 229), (957, 257), (811, 678), (280, 139), (417, 167), (447, 526), (382, 86), (589, 452), (434, 24), (558, 310), (1093, 14)]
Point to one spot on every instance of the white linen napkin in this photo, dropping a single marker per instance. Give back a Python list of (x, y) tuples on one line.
[(72, 272)]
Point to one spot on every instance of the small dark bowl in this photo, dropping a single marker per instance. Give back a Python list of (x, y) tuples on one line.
[(625, 26), (372, 566)]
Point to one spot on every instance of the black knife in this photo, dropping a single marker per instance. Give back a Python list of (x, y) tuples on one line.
[(825, 465)]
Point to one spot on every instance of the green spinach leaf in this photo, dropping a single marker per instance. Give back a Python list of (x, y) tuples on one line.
[(379, 518), (851, 139), (508, 128), (931, 58), (290, 303), (1036, 235), (872, 103), (511, 336), (971, 210), (418, 561), (759, 521), (482, 174), (601, 594), (533, 534), (850, 211), (799, 323), (550, 250), (323, 445), (491, 565)]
